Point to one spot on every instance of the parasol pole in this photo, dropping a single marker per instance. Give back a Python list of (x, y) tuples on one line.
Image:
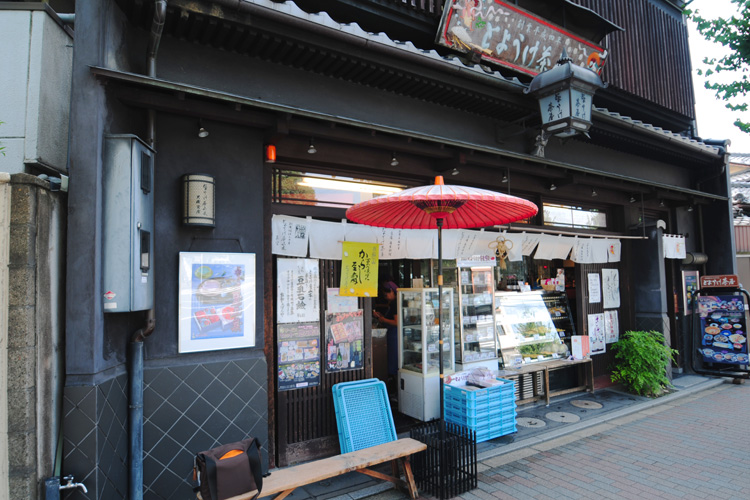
[(439, 222)]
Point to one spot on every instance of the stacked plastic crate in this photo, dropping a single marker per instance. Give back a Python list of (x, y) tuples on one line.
[(363, 414), (490, 411)]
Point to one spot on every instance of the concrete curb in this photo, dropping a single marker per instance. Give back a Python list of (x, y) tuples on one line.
[(597, 421)]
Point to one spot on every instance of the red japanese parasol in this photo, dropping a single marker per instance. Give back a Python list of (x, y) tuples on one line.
[(441, 207)]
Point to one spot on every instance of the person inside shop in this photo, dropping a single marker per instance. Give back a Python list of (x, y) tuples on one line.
[(389, 319)]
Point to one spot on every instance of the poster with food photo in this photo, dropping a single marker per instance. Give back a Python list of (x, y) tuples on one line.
[(216, 301), (344, 341), (298, 361), (723, 330)]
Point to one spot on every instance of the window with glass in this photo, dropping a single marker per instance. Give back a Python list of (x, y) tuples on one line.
[(572, 216), (305, 188)]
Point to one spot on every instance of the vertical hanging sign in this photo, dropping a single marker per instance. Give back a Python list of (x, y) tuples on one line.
[(298, 291), (359, 269)]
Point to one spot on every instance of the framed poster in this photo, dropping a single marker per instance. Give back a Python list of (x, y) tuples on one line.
[(690, 285), (216, 301)]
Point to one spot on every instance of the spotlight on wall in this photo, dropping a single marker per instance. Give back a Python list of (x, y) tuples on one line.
[(394, 160), (593, 192), (552, 186), (311, 149), (202, 132), (454, 171), (198, 200), (505, 178)]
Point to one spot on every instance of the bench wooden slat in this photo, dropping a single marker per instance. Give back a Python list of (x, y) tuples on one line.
[(289, 478)]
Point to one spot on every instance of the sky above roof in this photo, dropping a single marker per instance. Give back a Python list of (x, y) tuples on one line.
[(714, 120)]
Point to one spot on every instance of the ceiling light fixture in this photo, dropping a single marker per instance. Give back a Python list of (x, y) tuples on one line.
[(455, 171), (552, 187), (593, 192), (311, 149), (202, 132), (690, 208), (394, 160), (632, 199), (505, 178), (661, 203)]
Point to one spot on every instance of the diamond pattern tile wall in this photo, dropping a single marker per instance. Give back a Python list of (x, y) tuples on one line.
[(187, 409)]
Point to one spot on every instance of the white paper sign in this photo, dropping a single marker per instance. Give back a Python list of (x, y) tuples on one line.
[(289, 235), (298, 290), (596, 333), (337, 303), (614, 249), (530, 241), (611, 327), (325, 239), (611, 288), (595, 288), (392, 243)]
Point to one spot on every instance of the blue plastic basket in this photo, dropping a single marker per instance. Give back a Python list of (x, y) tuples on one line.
[(490, 412), (363, 414)]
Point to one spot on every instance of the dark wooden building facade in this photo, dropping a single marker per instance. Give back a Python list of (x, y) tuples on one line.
[(366, 81)]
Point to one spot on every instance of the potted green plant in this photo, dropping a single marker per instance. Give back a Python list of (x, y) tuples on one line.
[(641, 360)]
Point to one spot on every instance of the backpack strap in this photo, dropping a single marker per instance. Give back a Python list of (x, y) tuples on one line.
[(255, 465)]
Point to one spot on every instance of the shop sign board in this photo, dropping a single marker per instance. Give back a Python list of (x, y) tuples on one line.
[(504, 34), (720, 281), (723, 330), (298, 355)]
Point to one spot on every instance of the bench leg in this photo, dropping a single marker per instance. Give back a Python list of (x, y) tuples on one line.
[(284, 494), (409, 477)]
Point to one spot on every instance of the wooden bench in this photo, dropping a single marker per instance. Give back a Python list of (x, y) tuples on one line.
[(285, 481), (545, 367)]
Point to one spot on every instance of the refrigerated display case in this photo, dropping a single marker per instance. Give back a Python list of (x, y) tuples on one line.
[(525, 329), (559, 311), (419, 350), (476, 342)]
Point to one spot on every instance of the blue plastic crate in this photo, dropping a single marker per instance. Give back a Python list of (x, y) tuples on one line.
[(478, 397), (363, 414)]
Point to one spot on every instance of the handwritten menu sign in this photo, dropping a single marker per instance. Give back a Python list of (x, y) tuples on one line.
[(298, 355), (392, 243), (344, 341), (297, 293), (723, 329), (359, 269), (290, 235), (597, 334), (611, 288), (504, 34)]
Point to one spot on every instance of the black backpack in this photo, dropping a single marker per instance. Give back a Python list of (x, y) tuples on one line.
[(229, 470)]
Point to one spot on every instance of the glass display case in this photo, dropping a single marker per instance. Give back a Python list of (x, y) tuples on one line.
[(525, 329), (419, 349), (477, 343), (559, 311)]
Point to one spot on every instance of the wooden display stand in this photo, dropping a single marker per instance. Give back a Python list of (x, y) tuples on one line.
[(541, 391)]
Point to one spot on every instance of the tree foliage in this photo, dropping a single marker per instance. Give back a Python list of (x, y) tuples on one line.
[(734, 34)]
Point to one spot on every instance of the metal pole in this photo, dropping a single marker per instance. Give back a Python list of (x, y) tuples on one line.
[(440, 320)]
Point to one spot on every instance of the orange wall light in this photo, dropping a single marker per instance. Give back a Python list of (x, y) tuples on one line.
[(270, 153)]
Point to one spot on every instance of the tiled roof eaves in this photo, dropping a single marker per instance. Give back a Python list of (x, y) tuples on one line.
[(457, 65)]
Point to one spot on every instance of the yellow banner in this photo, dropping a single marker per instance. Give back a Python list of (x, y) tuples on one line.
[(359, 269)]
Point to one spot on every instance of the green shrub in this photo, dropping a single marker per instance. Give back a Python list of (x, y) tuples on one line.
[(641, 360)]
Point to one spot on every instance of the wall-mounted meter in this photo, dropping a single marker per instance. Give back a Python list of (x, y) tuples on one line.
[(128, 231)]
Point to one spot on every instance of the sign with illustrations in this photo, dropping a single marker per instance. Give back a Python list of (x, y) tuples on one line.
[(359, 269), (344, 341), (501, 33), (298, 355), (216, 301), (723, 330), (297, 290)]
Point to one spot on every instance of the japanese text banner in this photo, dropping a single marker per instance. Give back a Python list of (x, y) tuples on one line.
[(359, 269)]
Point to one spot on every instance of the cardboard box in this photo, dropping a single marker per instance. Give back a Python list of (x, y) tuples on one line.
[(580, 346)]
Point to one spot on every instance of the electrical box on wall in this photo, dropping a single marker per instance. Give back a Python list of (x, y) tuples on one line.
[(128, 224)]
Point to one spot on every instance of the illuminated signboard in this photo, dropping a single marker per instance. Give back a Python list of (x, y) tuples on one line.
[(507, 35)]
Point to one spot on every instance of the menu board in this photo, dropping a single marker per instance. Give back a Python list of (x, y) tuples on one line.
[(723, 329), (299, 355)]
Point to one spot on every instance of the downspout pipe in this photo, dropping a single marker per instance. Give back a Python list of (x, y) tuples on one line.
[(135, 407), (135, 348)]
